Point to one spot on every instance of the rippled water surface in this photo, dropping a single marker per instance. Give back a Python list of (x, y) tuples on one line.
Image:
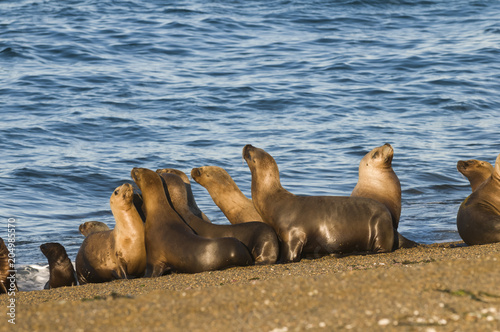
[(91, 89)]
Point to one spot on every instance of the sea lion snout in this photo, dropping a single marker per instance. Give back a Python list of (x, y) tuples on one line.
[(461, 165)]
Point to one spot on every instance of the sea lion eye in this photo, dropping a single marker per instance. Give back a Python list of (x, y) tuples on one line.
[(375, 155), (116, 192)]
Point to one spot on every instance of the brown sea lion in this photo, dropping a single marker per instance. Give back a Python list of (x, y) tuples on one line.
[(193, 207), (61, 269), (478, 218), (90, 227), (7, 270), (316, 224), (171, 244), (377, 180), (477, 171), (259, 238), (226, 195), (115, 254)]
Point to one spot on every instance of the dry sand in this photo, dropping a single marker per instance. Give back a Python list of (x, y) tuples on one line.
[(441, 287)]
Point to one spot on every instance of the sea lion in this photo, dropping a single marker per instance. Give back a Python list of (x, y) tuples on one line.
[(171, 244), (115, 254), (7, 270), (226, 195), (377, 180), (259, 238), (90, 227), (477, 171), (61, 269), (193, 207), (478, 218), (316, 224)]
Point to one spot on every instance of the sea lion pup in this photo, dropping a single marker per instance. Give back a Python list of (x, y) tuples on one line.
[(193, 207), (377, 180), (90, 227), (7, 270), (115, 254), (477, 171), (478, 218), (226, 195), (61, 270), (259, 238), (316, 224), (171, 244)]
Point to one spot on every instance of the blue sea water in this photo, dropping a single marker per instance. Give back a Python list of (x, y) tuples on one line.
[(90, 89)]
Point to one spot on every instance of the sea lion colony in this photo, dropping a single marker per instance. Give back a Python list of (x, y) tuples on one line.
[(162, 230)]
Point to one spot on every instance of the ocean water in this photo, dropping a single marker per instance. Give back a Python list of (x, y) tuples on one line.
[(90, 89)]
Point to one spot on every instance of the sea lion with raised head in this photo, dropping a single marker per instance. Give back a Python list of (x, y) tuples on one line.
[(171, 244), (377, 180), (478, 218), (476, 171), (90, 227), (62, 273), (225, 193), (193, 207), (115, 254), (316, 224), (7, 270), (258, 237)]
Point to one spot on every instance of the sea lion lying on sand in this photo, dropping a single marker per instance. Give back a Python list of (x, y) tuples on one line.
[(259, 238), (171, 244), (316, 224)]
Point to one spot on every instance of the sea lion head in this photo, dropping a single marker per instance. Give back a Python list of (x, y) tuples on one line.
[(53, 251), (144, 177), (200, 174), (262, 165), (90, 227), (211, 174), (378, 158), (476, 171), (473, 166), (122, 196), (177, 172)]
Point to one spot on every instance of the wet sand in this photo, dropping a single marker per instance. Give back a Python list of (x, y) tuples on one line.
[(440, 287)]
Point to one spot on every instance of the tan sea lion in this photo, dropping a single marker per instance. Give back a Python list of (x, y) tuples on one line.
[(115, 254), (377, 180), (171, 244), (62, 273), (193, 207), (478, 218), (477, 171), (90, 227), (316, 224), (7, 270), (259, 238), (226, 195)]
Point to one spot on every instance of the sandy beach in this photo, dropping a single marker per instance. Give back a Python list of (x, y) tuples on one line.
[(439, 287)]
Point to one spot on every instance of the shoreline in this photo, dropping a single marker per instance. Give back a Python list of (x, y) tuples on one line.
[(437, 287)]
